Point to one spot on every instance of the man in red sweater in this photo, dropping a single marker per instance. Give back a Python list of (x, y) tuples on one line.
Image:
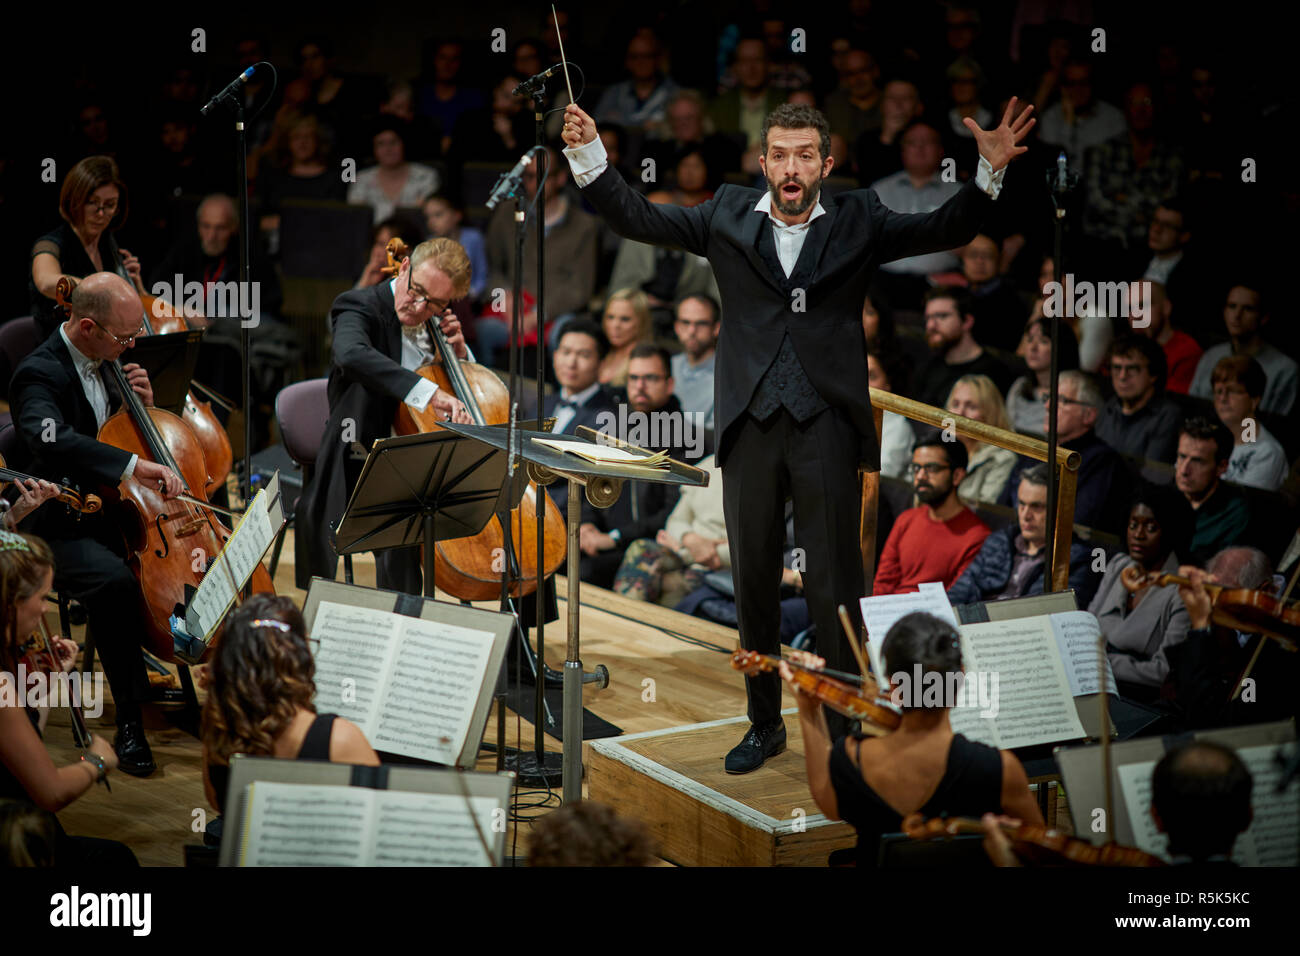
[(935, 541)]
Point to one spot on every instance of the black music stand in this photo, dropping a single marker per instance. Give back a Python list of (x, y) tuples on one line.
[(169, 359), (603, 483), (418, 489)]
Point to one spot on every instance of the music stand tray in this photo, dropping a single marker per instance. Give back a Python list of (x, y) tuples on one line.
[(418, 489)]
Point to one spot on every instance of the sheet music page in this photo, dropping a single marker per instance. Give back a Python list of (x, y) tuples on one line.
[(251, 539), (291, 824), (1135, 790), (1034, 704), (214, 595), (430, 829), (1273, 838), (434, 685), (880, 613), (967, 721), (353, 660), (1078, 636)]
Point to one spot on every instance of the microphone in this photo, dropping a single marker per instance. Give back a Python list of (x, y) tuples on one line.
[(508, 185), (530, 84), (230, 90), (1062, 177)]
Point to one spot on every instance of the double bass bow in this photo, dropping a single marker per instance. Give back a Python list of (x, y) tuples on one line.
[(471, 568), (170, 542)]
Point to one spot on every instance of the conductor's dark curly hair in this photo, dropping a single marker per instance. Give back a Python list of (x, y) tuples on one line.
[(261, 675), (589, 834)]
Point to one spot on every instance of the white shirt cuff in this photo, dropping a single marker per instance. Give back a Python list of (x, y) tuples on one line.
[(587, 161), (987, 180), (421, 394), (130, 467)]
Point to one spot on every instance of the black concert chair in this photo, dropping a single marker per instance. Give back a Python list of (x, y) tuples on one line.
[(18, 339)]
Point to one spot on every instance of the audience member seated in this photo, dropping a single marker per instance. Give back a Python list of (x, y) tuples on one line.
[(28, 775), (1245, 314), (639, 101), (445, 219), (299, 168), (699, 320), (1102, 482), (878, 150), (581, 398), (888, 371), (741, 111), (262, 697), (392, 182), (922, 766), (1212, 681), (917, 187), (687, 125), (1258, 459), (1010, 562), (997, 307), (1222, 513), (949, 332), (690, 182), (988, 466), (424, 136), (1139, 625), (445, 98), (1028, 393), (664, 275), (1077, 121), (588, 834), (1127, 175), (666, 568), (1182, 352), (626, 323), (572, 244), (643, 508), (965, 85), (854, 108), (1201, 800), (1092, 330), (1167, 259), (1139, 419), (936, 540), (497, 133)]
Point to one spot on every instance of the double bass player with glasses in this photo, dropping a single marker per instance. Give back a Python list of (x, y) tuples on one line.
[(60, 396)]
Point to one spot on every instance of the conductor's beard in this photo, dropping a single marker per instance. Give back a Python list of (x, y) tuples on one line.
[(790, 203)]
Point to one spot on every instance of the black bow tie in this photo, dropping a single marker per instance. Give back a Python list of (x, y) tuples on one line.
[(567, 403)]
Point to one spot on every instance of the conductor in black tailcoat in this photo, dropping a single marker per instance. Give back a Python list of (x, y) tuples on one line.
[(792, 410), (379, 341)]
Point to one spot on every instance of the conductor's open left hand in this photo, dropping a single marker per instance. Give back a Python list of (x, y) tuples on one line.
[(1000, 144)]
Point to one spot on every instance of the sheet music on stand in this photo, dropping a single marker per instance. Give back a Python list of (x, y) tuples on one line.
[(230, 571)]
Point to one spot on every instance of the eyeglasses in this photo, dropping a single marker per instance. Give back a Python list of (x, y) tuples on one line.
[(421, 297), (95, 205), (930, 468), (121, 339)]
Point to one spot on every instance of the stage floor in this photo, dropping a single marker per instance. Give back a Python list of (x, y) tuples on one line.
[(666, 670)]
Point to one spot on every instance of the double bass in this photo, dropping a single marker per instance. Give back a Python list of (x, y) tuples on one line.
[(471, 568), (170, 542)]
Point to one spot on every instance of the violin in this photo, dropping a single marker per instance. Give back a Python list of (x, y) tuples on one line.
[(1034, 843), (38, 656), (1241, 609), (469, 568), (864, 703), (170, 543), (82, 504)]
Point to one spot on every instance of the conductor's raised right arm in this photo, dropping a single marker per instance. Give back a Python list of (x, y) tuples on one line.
[(629, 213)]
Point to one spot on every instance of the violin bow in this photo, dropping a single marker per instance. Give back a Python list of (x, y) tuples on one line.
[(854, 644)]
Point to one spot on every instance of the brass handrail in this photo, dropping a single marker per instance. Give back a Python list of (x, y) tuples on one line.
[(1067, 465)]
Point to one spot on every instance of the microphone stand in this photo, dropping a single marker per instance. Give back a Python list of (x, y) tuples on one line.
[(1061, 182)]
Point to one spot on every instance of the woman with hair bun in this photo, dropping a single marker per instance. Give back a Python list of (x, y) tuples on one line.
[(261, 689), (922, 766)]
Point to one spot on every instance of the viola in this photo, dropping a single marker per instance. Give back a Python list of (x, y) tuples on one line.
[(864, 702), (170, 543), (82, 504), (470, 568), (1034, 843), (39, 657), (1241, 609)]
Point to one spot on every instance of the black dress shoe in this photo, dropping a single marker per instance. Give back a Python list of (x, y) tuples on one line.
[(132, 749), (759, 744)]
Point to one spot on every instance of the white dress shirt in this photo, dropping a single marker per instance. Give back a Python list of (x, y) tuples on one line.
[(564, 415), (93, 387)]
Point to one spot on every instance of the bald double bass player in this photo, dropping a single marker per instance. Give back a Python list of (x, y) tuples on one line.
[(60, 396), (379, 342)]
